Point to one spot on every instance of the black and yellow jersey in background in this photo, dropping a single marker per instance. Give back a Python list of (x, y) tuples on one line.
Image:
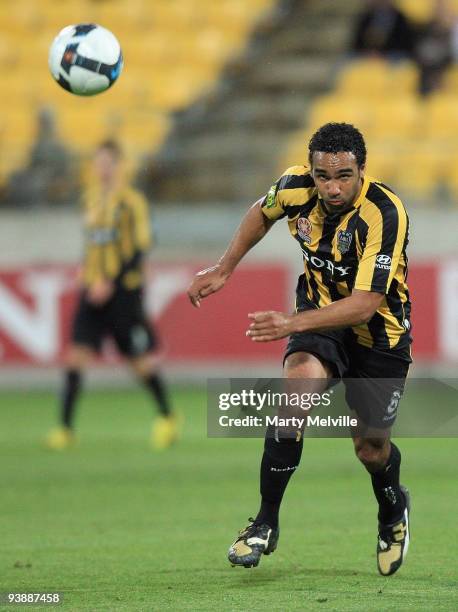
[(117, 234), (362, 248)]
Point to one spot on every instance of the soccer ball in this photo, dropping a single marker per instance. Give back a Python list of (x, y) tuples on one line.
[(85, 59)]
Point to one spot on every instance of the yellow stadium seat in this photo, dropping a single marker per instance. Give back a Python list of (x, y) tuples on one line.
[(11, 160), (418, 10), (440, 117), (137, 132), (295, 151), (17, 132), (83, 129), (20, 16), (448, 169), (367, 78), (175, 90), (32, 58), (377, 78), (235, 12), (423, 10), (382, 162), (142, 131), (342, 108), (396, 118), (421, 167), (9, 56), (17, 126), (214, 43), (403, 78), (139, 53), (450, 83)]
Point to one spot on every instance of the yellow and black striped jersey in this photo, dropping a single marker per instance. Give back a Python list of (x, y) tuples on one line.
[(117, 234), (362, 248)]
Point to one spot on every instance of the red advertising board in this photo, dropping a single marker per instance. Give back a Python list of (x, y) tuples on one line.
[(36, 305)]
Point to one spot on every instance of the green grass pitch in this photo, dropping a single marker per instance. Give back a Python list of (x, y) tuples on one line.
[(114, 526)]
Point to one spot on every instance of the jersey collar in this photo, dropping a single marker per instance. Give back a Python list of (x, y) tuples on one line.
[(360, 199)]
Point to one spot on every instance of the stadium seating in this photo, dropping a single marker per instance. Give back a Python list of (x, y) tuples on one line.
[(409, 138), (174, 51), (423, 10)]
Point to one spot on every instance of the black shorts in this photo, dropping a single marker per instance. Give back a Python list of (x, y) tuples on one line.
[(122, 318), (374, 379)]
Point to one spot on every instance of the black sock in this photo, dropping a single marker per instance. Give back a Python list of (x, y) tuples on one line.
[(386, 487), (72, 385), (279, 462), (156, 385)]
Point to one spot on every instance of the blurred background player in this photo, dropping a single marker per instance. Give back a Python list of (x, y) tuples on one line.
[(117, 233)]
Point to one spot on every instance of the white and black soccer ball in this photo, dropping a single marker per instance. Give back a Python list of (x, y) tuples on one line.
[(85, 59)]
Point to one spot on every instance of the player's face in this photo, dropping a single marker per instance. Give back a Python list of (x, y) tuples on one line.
[(106, 166), (338, 179)]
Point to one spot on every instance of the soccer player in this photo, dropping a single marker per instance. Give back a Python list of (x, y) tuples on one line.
[(351, 322), (117, 233)]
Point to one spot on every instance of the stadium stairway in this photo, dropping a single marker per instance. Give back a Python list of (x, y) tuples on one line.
[(226, 146)]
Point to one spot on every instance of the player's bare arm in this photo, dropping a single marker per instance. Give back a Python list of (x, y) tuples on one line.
[(252, 229), (356, 309)]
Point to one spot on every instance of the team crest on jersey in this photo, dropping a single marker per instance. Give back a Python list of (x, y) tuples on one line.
[(304, 229), (270, 199), (344, 239)]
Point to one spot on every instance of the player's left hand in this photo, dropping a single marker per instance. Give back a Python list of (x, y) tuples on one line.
[(269, 325)]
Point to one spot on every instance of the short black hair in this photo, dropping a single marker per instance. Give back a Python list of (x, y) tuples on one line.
[(337, 137), (111, 145)]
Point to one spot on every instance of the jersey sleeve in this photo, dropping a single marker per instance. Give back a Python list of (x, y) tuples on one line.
[(385, 238), (292, 188)]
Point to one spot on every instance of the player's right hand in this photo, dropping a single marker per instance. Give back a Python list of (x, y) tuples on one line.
[(100, 292), (205, 283)]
